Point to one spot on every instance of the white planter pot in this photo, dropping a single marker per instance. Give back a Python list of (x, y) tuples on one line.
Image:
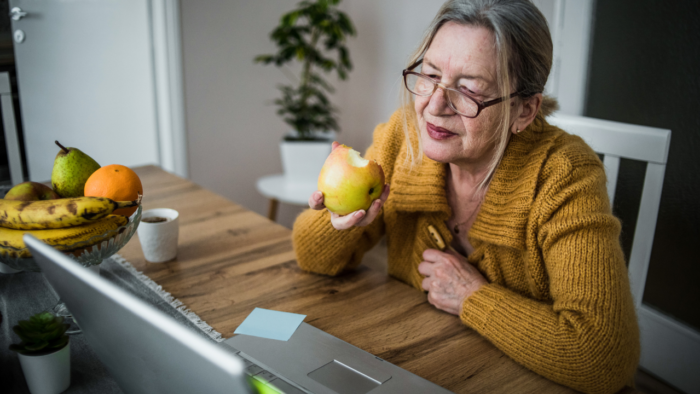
[(302, 160), (49, 373)]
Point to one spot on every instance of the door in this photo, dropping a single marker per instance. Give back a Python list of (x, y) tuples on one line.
[(85, 78)]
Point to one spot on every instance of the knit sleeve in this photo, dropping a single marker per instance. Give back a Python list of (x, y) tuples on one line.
[(587, 337), (322, 249)]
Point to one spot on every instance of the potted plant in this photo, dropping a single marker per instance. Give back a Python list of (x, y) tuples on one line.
[(314, 35), (44, 353)]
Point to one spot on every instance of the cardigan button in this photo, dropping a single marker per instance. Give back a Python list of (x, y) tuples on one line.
[(436, 237)]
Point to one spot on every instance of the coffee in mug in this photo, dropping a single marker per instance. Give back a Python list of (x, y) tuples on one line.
[(155, 219)]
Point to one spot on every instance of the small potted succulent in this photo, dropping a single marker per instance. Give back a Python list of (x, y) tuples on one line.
[(44, 353), (314, 35)]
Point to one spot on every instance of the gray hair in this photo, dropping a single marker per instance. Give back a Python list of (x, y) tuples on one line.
[(524, 58)]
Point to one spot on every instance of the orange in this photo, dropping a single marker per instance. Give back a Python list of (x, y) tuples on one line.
[(117, 182)]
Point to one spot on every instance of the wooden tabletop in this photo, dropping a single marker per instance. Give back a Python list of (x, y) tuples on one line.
[(231, 260)]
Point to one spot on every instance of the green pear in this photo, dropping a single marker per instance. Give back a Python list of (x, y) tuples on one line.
[(31, 191), (71, 169)]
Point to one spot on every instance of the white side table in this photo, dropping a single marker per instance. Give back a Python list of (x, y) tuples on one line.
[(280, 188)]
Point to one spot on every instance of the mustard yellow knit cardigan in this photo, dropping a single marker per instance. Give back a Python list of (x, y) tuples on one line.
[(558, 299)]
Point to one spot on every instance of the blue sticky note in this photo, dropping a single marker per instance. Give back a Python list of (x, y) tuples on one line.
[(266, 323)]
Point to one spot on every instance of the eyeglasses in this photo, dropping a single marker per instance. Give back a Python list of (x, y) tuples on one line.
[(424, 86)]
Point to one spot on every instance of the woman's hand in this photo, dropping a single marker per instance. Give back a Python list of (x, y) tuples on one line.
[(358, 218), (449, 279)]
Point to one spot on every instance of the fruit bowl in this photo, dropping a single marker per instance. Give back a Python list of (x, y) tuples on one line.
[(83, 252)]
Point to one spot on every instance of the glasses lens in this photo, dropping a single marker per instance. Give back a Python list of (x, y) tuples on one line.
[(421, 86), (463, 104)]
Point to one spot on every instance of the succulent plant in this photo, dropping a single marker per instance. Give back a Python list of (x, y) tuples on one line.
[(43, 333)]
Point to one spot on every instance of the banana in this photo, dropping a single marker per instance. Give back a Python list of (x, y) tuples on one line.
[(60, 213), (63, 239)]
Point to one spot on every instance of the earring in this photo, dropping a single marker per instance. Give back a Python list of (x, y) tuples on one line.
[(517, 131)]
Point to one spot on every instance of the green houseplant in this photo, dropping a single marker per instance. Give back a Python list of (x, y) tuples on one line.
[(312, 34), (44, 352)]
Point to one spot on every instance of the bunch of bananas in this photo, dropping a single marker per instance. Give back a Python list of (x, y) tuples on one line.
[(61, 223)]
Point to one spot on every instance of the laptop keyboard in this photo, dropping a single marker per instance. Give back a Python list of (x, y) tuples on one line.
[(269, 379)]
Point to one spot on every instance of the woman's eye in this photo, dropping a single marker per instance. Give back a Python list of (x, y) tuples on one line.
[(466, 90)]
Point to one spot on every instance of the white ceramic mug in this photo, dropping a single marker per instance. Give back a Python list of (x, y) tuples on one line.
[(159, 240)]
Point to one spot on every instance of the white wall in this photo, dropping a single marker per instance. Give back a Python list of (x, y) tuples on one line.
[(233, 130)]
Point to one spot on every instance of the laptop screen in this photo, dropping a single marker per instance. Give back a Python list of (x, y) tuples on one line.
[(143, 349)]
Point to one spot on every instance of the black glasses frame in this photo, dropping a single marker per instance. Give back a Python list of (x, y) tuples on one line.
[(481, 105)]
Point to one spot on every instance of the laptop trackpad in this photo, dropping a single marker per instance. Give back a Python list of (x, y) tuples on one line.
[(343, 379)]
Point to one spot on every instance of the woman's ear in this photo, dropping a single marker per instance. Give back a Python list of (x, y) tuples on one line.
[(526, 112)]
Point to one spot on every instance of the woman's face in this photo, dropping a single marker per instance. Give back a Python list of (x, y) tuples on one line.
[(463, 58)]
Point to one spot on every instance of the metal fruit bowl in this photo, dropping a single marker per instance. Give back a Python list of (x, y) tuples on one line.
[(87, 256)]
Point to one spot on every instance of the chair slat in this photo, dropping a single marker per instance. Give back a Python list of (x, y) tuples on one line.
[(607, 137), (612, 169), (644, 231)]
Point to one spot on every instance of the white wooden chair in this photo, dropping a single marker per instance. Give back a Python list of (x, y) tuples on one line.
[(670, 349)]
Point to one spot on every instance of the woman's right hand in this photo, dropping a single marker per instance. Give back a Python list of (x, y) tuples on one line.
[(355, 219)]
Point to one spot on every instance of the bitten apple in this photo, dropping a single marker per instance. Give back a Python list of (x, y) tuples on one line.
[(31, 191), (349, 182)]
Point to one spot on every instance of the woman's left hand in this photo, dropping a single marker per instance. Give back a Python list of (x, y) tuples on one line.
[(449, 279)]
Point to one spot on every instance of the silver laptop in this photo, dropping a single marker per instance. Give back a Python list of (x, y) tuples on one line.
[(147, 351)]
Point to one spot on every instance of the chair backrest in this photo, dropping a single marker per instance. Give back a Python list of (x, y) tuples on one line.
[(614, 141)]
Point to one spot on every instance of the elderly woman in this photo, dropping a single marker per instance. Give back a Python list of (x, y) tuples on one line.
[(503, 219)]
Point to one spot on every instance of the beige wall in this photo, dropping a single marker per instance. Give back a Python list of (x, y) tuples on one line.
[(233, 130)]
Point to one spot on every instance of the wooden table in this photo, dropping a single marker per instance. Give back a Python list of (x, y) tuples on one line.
[(231, 260)]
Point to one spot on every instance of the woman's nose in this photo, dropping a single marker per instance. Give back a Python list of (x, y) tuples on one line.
[(438, 104)]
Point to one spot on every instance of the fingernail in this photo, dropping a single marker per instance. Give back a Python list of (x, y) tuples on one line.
[(359, 214)]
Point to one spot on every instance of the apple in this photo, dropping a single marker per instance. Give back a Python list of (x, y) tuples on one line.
[(31, 191), (349, 182)]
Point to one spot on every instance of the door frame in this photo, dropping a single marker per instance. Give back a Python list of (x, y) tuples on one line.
[(169, 90), (571, 29)]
